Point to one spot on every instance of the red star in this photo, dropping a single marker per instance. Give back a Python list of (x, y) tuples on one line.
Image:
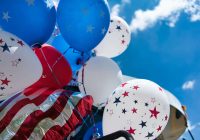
[(166, 117), (131, 131), (154, 113), (20, 43), (123, 42), (1, 41), (136, 87), (134, 110), (159, 128), (5, 82), (160, 89), (125, 94), (123, 84)]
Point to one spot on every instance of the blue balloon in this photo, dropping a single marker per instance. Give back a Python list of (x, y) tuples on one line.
[(74, 57), (83, 23), (31, 20), (89, 134)]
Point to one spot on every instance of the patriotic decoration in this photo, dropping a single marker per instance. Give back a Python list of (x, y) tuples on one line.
[(84, 24), (98, 78), (42, 114), (31, 20), (139, 107), (116, 40), (19, 66), (57, 72)]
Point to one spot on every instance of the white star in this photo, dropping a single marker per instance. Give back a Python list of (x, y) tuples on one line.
[(49, 3), (6, 16), (90, 28), (103, 31), (30, 2)]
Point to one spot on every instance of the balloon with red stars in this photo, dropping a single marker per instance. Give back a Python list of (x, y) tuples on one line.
[(19, 66), (139, 107), (117, 39)]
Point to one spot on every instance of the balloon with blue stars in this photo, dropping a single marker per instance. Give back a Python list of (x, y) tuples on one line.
[(83, 23), (31, 20), (75, 58)]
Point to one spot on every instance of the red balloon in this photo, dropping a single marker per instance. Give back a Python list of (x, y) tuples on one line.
[(57, 72)]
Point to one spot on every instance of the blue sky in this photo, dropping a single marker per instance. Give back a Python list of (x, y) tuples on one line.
[(165, 48)]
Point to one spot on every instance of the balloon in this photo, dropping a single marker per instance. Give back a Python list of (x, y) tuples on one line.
[(83, 24), (127, 78), (56, 70), (99, 77), (140, 107), (31, 20), (43, 114), (19, 66), (74, 57), (90, 132), (116, 40), (177, 121)]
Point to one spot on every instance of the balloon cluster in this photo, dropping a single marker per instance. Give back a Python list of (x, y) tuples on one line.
[(35, 78)]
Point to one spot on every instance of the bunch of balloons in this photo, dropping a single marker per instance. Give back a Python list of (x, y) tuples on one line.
[(49, 46)]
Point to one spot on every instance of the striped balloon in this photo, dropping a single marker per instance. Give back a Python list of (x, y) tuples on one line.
[(41, 114)]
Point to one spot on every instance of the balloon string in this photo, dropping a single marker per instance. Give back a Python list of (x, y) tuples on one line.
[(57, 81), (189, 131), (62, 55)]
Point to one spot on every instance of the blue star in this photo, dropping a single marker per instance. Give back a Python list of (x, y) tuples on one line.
[(124, 111), (5, 48), (119, 28), (117, 100), (149, 135), (143, 124)]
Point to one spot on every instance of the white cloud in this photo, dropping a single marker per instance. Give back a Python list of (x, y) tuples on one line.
[(166, 10), (194, 126), (188, 85), (117, 8)]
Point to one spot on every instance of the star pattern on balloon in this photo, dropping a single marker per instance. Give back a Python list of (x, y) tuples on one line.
[(5, 81), (131, 131), (117, 101), (142, 116), (123, 85), (136, 87), (49, 3), (159, 128), (103, 31), (154, 113), (5, 48), (6, 16), (1, 41), (124, 111), (149, 135), (20, 42), (143, 124), (118, 28), (30, 2), (134, 110), (90, 29), (16, 62), (125, 94)]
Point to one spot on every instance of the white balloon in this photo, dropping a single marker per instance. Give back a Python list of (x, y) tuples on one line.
[(99, 77), (116, 40), (177, 121), (139, 107), (19, 66), (127, 78)]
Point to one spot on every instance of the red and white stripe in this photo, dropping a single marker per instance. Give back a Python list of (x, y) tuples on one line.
[(43, 114)]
